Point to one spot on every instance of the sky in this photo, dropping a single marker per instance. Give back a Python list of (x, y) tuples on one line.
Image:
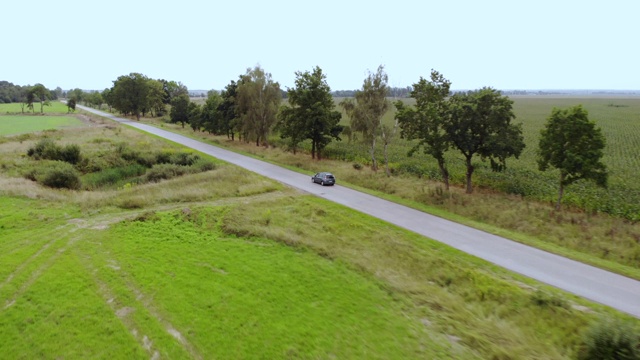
[(507, 45)]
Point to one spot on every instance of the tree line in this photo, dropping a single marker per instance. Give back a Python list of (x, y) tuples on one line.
[(28, 95), (477, 123)]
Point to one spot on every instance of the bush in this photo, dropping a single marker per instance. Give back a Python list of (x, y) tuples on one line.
[(113, 176), (60, 176), (165, 172), (47, 149), (611, 339), (70, 154)]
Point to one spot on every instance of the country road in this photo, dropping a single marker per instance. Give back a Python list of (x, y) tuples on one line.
[(592, 283)]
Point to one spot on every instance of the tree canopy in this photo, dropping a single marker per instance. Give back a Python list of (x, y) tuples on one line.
[(571, 143), (311, 113), (129, 94), (480, 123), (257, 101), (426, 122), (367, 108)]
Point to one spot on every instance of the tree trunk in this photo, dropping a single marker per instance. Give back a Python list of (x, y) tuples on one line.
[(374, 164), (444, 172), (561, 191), (386, 160), (313, 149), (469, 173)]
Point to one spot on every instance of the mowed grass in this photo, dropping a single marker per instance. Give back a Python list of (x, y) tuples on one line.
[(18, 124), (54, 106)]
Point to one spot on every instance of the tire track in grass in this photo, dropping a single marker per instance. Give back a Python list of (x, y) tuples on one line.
[(35, 274), (123, 311)]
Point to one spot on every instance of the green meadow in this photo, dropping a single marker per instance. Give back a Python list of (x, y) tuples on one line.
[(227, 264), (56, 107), (14, 122)]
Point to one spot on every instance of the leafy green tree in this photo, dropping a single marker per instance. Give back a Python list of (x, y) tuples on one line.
[(77, 94), (257, 101), (571, 143), (172, 89), (227, 110), (107, 97), (41, 94), (426, 121), (130, 94), (155, 98), (480, 123), (194, 115), (29, 99), (180, 109), (311, 113), (71, 105), (368, 108), (210, 116)]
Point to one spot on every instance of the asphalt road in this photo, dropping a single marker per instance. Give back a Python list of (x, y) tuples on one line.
[(592, 283)]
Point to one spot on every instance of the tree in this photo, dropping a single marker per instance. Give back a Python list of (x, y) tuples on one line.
[(210, 116), (172, 89), (71, 105), (258, 98), (426, 121), (480, 123), (370, 105), (130, 94), (180, 109), (77, 94), (41, 94), (194, 116), (155, 98), (29, 99), (227, 110), (574, 145), (311, 113)]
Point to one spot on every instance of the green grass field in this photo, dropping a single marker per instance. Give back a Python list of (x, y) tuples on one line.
[(227, 264), (20, 124), (14, 122), (54, 107)]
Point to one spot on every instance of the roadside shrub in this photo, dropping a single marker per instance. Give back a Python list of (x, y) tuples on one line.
[(610, 339), (47, 149), (165, 172), (203, 165), (44, 149), (113, 176), (163, 157), (60, 176), (185, 158), (70, 154)]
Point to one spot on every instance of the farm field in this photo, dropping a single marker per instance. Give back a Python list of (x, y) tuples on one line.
[(13, 122), (619, 119), (227, 264)]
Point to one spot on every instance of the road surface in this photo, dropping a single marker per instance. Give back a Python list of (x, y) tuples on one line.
[(592, 283)]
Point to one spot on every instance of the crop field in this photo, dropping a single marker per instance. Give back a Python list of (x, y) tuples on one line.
[(619, 119)]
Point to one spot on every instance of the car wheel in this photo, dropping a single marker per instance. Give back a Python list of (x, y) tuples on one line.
[(322, 182)]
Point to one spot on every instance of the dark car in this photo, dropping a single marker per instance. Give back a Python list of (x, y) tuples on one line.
[(324, 178)]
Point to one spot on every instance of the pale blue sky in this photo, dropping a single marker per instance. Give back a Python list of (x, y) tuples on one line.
[(544, 44)]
